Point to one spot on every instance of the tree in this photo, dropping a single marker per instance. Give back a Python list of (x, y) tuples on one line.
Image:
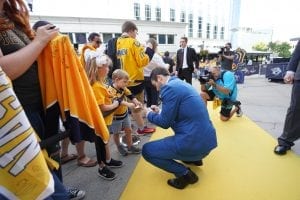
[(260, 47), (280, 48), (283, 49)]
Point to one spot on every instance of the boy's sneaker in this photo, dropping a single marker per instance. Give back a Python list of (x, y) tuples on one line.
[(135, 139), (134, 150), (106, 174), (75, 194), (239, 111), (145, 130), (122, 150), (114, 163)]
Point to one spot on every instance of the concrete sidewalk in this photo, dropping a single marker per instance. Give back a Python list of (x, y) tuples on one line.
[(263, 102)]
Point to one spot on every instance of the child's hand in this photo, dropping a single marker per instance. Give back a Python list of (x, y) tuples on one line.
[(131, 105), (155, 108), (137, 103), (116, 103)]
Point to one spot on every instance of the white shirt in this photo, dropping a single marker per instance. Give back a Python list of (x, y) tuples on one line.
[(156, 61), (184, 63)]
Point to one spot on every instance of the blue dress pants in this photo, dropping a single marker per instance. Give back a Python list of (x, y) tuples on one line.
[(163, 153)]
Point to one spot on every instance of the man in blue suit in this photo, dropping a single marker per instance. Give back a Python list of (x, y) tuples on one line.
[(185, 112)]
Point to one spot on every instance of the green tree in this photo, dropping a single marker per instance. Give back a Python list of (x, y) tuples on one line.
[(260, 47), (282, 49)]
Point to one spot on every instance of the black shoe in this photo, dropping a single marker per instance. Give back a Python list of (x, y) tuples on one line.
[(197, 162), (106, 174), (114, 163), (281, 150), (182, 181), (75, 194)]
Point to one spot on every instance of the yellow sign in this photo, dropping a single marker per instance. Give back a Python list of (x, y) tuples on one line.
[(23, 170)]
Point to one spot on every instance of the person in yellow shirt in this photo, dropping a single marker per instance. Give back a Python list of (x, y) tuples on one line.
[(94, 42), (133, 58), (99, 68), (121, 120)]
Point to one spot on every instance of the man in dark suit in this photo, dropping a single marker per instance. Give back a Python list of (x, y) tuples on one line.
[(186, 58), (291, 130)]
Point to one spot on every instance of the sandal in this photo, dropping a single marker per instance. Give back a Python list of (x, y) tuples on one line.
[(89, 162), (66, 158)]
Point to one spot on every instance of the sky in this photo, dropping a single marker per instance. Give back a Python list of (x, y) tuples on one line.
[(281, 16)]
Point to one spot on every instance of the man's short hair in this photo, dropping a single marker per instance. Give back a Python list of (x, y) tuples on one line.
[(37, 24), (92, 36), (159, 71), (167, 54), (128, 26), (184, 38), (229, 44)]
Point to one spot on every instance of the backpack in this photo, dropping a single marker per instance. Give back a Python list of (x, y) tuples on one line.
[(111, 51), (222, 79)]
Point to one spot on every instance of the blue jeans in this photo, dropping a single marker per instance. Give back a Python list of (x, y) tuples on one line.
[(60, 192), (35, 117), (163, 153)]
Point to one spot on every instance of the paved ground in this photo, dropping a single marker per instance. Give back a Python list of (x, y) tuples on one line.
[(262, 101)]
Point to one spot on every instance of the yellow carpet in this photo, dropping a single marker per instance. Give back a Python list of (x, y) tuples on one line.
[(242, 167)]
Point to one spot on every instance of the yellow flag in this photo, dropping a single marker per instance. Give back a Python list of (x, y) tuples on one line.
[(23, 170)]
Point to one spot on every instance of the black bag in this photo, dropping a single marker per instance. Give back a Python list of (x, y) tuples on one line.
[(111, 51)]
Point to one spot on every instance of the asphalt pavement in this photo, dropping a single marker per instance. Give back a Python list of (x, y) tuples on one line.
[(263, 102)]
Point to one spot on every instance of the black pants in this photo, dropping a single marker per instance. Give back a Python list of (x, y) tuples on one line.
[(151, 93), (100, 149), (185, 74), (291, 130)]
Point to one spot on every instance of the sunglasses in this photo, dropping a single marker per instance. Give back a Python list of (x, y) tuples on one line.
[(98, 42)]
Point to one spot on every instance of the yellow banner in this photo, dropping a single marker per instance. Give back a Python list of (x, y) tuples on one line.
[(23, 170)]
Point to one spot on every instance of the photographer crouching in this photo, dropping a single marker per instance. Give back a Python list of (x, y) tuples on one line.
[(226, 57), (222, 85)]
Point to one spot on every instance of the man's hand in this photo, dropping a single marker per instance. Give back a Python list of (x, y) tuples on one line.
[(289, 77), (211, 82)]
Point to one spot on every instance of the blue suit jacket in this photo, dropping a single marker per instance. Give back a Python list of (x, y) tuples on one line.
[(185, 112)]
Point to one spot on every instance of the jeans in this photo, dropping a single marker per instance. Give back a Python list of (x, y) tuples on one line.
[(35, 117), (60, 192), (163, 153)]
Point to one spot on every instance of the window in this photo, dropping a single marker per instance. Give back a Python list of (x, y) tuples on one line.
[(137, 11), (172, 15), (106, 37), (182, 16), (80, 38), (222, 33), (118, 34), (190, 29), (215, 32), (148, 12), (200, 27), (170, 39), (158, 14), (70, 36), (154, 36), (161, 39), (208, 30)]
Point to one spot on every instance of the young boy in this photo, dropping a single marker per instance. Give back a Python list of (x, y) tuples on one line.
[(121, 120)]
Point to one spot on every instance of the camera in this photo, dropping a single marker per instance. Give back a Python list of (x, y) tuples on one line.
[(222, 50), (205, 77)]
